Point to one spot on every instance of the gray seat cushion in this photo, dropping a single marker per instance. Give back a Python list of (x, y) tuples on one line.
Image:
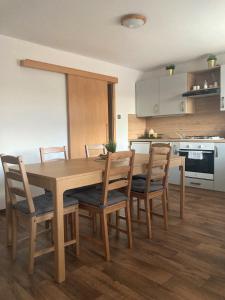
[(94, 196), (71, 192), (44, 204), (139, 176), (139, 185)]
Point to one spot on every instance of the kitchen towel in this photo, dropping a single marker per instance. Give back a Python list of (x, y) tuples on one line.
[(195, 155)]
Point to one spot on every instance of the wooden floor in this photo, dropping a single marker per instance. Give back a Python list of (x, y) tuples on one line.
[(187, 262)]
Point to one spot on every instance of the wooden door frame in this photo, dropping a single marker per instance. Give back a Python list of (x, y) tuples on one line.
[(111, 81)]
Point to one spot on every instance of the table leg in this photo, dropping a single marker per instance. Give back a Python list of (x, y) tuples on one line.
[(59, 234), (182, 190), (8, 217)]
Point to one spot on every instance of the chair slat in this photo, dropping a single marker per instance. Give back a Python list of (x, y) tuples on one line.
[(17, 191), (121, 155), (10, 159), (14, 175), (119, 171), (117, 184)]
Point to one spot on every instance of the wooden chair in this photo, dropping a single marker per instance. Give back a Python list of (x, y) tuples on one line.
[(51, 150), (154, 185), (109, 199), (33, 210), (94, 150)]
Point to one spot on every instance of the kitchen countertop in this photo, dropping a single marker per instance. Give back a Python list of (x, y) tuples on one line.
[(178, 140)]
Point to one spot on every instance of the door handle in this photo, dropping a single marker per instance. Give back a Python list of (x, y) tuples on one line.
[(195, 183), (216, 151), (222, 103)]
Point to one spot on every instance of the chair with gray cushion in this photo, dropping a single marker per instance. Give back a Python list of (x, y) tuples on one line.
[(110, 198), (33, 210), (153, 185)]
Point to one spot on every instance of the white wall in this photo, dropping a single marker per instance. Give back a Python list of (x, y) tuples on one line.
[(192, 65), (33, 102)]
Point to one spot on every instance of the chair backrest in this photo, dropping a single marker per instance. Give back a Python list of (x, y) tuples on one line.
[(94, 150), (158, 166), (52, 150), (118, 173), (16, 180)]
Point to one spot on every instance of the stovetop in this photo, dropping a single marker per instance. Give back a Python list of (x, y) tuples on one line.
[(207, 137)]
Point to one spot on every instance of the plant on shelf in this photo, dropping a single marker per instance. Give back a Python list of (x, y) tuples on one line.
[(170, 69), (212, 59), (111, 146)]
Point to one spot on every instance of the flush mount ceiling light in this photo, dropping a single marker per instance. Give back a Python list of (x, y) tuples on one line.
[(133, 20)]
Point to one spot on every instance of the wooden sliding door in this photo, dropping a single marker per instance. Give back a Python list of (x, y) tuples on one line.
[(87, 113)]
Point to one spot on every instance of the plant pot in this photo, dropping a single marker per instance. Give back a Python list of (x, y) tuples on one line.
[(170, 71), (211, 63)]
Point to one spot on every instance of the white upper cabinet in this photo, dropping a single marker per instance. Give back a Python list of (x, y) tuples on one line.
[(162, 96), (147, 98), (222, 88), (171, 90)]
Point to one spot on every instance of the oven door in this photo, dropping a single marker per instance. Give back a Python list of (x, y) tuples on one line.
[(199, 168)]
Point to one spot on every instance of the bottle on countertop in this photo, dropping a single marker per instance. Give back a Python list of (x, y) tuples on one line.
[(205, 84)]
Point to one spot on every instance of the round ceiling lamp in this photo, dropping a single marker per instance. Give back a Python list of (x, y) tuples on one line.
[(133, 20)]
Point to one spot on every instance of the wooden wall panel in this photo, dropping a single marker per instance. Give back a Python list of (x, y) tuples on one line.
[(87, 113), (136, 126), (207, 120)]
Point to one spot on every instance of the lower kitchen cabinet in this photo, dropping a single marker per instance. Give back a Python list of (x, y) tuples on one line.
[(219, 167), (140, 147)]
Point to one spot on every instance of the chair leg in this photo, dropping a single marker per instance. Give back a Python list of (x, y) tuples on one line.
[(128, 221), (66, 227), (117, 224), (14, 234), (164, 207), (151, 207), (167, 198), (76, 230), (148, 218), (131, 206), (94, 221), (33, 232), (138, 209), (105, 234)]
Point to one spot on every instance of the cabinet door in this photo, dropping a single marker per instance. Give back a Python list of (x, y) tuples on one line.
[(140, 147), (222, 88), (171, 89), (147, 97), (219, 168)]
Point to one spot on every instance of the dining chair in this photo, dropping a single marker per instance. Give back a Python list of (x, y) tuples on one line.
[(153, 185), (51, 150), (33, 210), (93, 150), (109, 199)]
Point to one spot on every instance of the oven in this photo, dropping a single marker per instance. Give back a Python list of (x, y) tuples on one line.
[(199, 162)]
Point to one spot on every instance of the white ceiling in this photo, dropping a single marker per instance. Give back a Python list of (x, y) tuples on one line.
[(176, 30)]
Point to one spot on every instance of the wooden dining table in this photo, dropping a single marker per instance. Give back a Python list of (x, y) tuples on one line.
[(61, 175)]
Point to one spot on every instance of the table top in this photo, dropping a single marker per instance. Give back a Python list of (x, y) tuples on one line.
[(61, 168)]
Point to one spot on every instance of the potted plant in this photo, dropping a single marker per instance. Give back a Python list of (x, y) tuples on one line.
[(170, 69), (111, 146), (212, 59)]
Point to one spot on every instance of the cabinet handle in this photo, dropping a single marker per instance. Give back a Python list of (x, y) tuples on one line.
[(222, 103), (216, 152), (156, 108), (182, 106), (195, 183)]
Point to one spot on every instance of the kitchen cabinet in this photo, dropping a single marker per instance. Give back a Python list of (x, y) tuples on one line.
[(170, 95), (147, 97), (222, 88), (140, 147), (162, 96), (174, 173), (219, 167)]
